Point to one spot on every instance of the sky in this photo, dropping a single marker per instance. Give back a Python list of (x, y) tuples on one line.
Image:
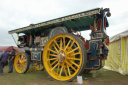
[(15, 14)]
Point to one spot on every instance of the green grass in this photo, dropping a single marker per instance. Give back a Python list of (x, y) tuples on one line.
[(96, 77), (106, 77)]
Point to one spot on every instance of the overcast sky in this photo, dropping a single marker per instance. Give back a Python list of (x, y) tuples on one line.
[(20, 13)]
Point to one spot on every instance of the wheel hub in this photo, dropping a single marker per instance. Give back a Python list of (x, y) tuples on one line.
[(61, 56), (21, 62)]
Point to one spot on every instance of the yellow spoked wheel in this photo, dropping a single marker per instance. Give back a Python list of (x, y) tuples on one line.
[(38, 65), (64, 57), (21, 62)]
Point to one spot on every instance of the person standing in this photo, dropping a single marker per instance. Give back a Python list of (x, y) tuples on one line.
[(3, 61), (11, 60)]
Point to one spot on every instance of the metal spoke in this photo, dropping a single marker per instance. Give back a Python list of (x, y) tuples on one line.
[(72, 44), (53, 51), (73, 50), (60, 43), (73, 58), (37, 66), (51, 59), (58, 68), (55, 48), (55, 66), (68, 70), (74, 63), (67, 45), (53, 55), (53, 62), (20, 67), (75, 54), (56, 44), (24, 65), (64, 41), (65, 71), (71, 66), (61, 70)]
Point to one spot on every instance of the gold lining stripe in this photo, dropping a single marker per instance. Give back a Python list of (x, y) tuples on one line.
[(90, 42), (98, 37), (36, 52), (101, 35)]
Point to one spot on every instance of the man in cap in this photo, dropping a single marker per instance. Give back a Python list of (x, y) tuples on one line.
[(11, 60)]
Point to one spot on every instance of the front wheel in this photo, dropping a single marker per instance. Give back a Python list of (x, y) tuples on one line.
[(38, 65), (64, 57), (21, 62)]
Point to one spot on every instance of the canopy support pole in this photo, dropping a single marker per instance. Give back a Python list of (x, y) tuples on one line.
[(14, 39)]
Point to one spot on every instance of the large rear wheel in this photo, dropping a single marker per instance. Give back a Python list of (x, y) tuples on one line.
[(21, 62), (64, 57)]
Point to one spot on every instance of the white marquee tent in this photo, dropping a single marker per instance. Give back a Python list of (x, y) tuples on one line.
[(117, 59)]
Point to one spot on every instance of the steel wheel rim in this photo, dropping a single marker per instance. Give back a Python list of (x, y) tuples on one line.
[(68, 64), (20, 63)]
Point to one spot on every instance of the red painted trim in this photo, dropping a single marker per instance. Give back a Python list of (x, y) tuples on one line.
[(87, 45), (92, 28), (99, 24), (28, 38)]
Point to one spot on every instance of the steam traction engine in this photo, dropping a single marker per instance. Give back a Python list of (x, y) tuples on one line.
[(58, 46)]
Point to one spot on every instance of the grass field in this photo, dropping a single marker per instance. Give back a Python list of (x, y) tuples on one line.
[(100, 77)]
